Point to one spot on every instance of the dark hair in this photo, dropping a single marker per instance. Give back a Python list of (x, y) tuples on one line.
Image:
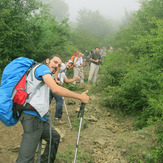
[(51, 57), (55, 55)]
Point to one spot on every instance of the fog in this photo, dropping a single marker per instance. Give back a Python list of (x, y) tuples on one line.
[(112, 9)]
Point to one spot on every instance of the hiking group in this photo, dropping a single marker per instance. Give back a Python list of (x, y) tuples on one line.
[(43, 82), (93, 60)]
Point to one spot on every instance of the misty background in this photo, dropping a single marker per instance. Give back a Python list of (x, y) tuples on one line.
[(114, 9), (111, 9), (93, 20)]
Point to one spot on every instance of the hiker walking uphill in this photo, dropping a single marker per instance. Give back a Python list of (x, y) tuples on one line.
[(61, 76), (95, 59), (35, 122)]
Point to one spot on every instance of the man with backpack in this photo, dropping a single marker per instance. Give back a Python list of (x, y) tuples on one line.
[(35, 119), (60, 78), (73, 58), (95, 59)]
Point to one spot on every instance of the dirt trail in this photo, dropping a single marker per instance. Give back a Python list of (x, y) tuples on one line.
[(105, 137), (101, 139)]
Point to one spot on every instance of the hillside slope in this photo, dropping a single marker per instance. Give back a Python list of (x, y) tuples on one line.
[(106, 137)]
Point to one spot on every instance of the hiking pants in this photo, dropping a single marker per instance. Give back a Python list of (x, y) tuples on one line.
[(59, 104), (79, 72), (34, 130), (76, 73), (93, 71)]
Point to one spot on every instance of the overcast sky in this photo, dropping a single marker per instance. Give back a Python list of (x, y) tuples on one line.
[(114, 9)]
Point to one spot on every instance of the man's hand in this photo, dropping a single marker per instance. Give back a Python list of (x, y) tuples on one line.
[(59, 67), (85, 97), (77, 78), (58, 82)]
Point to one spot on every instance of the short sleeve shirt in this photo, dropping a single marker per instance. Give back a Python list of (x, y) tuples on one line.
[(95, 56), (39, 72)]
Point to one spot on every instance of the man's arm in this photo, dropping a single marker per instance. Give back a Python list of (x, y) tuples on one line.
[(56, 76), (93, 60), (66, 80), (61, 91), (75, 61)]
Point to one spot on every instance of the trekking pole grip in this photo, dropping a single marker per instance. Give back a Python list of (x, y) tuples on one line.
[(82, 106)]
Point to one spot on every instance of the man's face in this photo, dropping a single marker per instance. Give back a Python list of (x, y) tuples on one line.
[(68, 65), (54, 64), (80, 55), (97, 50)]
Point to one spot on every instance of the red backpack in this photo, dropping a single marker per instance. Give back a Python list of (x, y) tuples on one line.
[(20, 94)]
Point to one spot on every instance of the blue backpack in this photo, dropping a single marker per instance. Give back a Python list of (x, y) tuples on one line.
[(11, 76)]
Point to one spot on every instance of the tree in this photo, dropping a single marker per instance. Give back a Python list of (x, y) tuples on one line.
[(27, 29), (134, 70), (14, 17), (94, 23), (84, 40), (58, 8)]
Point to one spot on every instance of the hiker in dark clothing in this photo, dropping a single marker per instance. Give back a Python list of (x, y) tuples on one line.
[(95, 59)]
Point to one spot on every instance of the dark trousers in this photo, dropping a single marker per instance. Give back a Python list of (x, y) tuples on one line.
[(34, 130)]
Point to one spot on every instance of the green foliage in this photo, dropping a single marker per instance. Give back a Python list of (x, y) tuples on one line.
[(158, 151), (152, 153), (132, 78), (94, 23), (84, 40), (70, 86), (76, 123), (27, 29), (114, 67), (58, 8), (13, 22), (68, 156), (93, 30)]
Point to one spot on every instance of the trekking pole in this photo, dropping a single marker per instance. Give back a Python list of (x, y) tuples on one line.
[(67, 113), (82, 113)]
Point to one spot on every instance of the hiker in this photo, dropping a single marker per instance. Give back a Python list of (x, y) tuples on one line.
[(78, 68), (60, 78), (35, 123), (110, 49), (95, 59), (104, 51)]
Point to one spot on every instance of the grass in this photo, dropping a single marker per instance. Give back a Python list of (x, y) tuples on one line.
[(76, 123), (68, 156)]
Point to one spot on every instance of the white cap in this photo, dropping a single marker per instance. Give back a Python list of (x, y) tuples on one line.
[(70, 61)]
